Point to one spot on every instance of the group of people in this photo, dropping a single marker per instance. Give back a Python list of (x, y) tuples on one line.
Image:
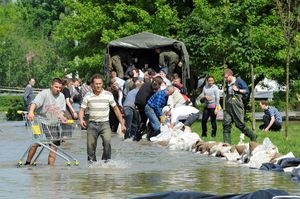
[(140, 104), (124, 60)]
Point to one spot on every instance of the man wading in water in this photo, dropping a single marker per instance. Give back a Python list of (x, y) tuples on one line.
[(98, 103), (51, 103)]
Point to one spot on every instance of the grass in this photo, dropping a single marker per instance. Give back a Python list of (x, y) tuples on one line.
[(285, 145)]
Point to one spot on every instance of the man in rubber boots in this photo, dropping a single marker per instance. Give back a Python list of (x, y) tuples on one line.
[(234, 110)]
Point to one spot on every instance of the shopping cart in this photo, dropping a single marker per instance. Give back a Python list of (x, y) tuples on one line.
[(24, 116), (45, 133)]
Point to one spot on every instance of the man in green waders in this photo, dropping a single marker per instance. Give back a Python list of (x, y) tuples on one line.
[(234, 111)]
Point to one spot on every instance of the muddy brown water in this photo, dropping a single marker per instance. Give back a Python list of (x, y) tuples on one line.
[(136, 169)]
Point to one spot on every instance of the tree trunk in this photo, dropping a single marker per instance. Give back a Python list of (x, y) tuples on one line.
[(288, 60), (253, 98)]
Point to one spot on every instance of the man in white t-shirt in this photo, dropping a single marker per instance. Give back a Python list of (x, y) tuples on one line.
[(187, 113)]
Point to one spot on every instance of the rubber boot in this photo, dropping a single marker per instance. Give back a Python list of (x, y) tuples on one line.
[(227, 138), (204, 135), (250, 134), (213, 134)]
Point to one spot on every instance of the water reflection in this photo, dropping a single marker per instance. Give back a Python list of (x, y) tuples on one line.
[(136, 169)]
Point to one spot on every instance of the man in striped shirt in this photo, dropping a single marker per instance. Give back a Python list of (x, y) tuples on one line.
[(98, 103)]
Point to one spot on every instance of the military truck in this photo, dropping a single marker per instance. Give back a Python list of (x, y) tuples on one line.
[(140, 50)]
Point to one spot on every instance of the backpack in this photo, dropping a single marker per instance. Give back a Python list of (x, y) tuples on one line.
[(241, 84)]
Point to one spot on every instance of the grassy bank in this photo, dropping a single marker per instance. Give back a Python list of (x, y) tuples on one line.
[(291, 144)]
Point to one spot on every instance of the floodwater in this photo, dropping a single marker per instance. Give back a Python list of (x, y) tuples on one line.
[(136, 169)]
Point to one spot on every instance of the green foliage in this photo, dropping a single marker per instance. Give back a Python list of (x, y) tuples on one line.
[(66, 36), (42, 14), (279, 103), (24, 51), (6, 101), (11, 104), (237, 34), (87, 27)]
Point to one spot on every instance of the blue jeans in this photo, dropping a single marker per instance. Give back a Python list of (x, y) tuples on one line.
[(131, 121), (96, 129), (153, 119)]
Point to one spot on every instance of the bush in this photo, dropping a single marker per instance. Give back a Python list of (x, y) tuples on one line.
[(11, 104), (278, 101)]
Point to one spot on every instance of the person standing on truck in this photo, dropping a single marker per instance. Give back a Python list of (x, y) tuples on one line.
[(119, 59), (167, 59)]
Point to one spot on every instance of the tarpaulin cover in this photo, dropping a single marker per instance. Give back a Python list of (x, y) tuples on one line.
[(146, 40), (265, 194)]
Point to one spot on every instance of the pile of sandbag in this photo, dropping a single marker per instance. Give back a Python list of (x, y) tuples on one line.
[(263, 156), (176, 138), (251, 154)]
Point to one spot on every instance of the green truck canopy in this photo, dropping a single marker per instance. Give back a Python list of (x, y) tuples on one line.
[(150, 41)]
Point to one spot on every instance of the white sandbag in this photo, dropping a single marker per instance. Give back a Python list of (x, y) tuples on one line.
[(175, 138), (178, 126), (187, 140), (267, 146), (262, 153), (164, 136), (259, 158), (232, 157)]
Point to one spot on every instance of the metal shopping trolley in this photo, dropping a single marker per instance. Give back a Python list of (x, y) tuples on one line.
[(47, 132)]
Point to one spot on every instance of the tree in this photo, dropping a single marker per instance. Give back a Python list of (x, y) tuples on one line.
[(87, 27), (219, 31), (289, 16), (24, 51), (43, 14)]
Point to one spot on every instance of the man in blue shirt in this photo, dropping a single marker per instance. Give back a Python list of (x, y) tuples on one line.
[(272, 119), (153, 108)]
